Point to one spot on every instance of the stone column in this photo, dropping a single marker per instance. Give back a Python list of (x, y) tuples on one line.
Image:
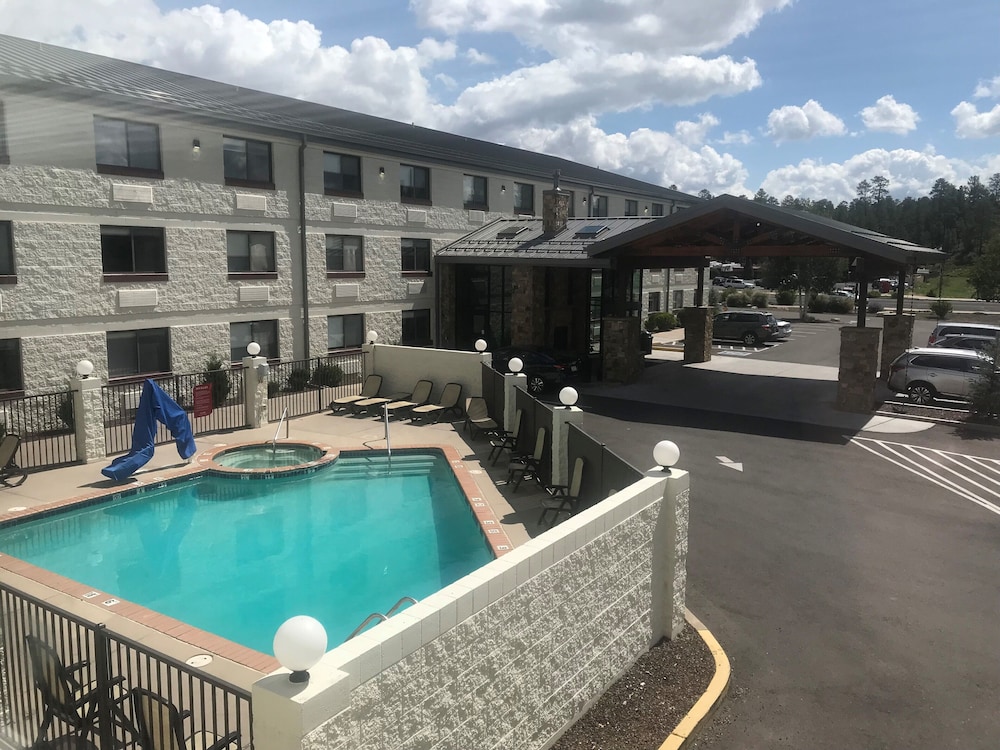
[(669, 564), (697, 334), (527, 319), (255, 371), (562, 418), (858, 363), (512, 381), (88, 414), (621, 358), (897, 337)]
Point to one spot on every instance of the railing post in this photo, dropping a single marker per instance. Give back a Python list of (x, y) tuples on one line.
[(511, 382), (562, 418), (88, 419), (255, 391), (102, 667)]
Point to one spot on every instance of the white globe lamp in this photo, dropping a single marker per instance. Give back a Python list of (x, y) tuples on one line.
[(665, 454), (84, 368), (481, 345), (515, 365), (568, 396), (299, 644), (253, 348), (372, 337)]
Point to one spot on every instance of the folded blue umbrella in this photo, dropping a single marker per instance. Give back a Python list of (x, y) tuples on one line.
[(155, 405)]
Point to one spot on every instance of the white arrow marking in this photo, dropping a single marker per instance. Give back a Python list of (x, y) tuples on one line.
[(731, 464)]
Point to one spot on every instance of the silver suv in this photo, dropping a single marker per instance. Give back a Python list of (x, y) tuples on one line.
[(962, 329), (749, 326), (928, 373)]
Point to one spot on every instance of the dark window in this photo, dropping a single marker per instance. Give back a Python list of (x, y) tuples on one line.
[(7, 249), (416, 328), (572, 204), (654, 302), (133, 250), (599, 205), (631, 208), (345, 331), (416, 255), (264, 332), (414, 184), (344, 254), (474, 192), (524, 198), (250, 252), (10, 365), (341, 174), (657, 209), (126, 147), (132, 353), (247, 163), (4, 153)]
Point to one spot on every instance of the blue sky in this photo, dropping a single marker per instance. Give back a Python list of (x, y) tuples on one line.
[(801, 97)]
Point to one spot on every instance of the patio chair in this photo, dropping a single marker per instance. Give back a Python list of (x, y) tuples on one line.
[(528, 465), (11, 475), (565, 497), (450, 397), (161, 726), (420, 396), (477, 417), (64, 695), (506, 440), (370, 389)]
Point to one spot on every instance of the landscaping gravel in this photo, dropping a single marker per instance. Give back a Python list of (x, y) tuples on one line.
[(646, 704)]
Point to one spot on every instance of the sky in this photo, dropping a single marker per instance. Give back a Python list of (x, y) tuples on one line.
[(798, 97)]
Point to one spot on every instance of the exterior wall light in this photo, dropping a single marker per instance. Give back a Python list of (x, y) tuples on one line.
[(196, 148), (84, 368), (665, 454), (299, 644), (381, 173), (480, 345)]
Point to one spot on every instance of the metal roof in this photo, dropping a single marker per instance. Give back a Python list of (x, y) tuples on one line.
[(532, 246), (34, 67)]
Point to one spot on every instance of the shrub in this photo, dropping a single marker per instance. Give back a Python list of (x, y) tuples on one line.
[(785, 297), (984, 394), (661, 321), (219, 378), (941, 308), (737, 299), (818, 303), (932, 293), (841, 305), (874, 293), (328, 374), (273, 388), (759, 299), (874, 306), (66, 412), (298, 379)]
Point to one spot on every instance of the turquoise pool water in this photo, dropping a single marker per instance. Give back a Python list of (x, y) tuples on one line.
[(237, 556)]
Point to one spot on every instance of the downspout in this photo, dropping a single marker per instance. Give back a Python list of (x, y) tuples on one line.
[(304, 247)]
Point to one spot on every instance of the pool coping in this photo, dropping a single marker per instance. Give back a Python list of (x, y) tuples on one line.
[(203, 462)]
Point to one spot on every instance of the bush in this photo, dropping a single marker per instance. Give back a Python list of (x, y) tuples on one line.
[(66, 412), (785, 297), (932, 293), (328, 374), (941, 308), (984, 395), (219, 378), (841, 305), (298, 379), (818, 303), (661, 321), (759, 299), (872, 293), (273, 388), (874, 306), (714, 298), (737, 299)]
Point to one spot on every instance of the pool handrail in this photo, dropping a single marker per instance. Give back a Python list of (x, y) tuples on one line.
[(380, 617), (284, 419)]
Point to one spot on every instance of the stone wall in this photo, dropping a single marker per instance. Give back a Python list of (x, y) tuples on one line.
[(527, 305), (858, 365), (621, 357), (698, 334), (897, 337)]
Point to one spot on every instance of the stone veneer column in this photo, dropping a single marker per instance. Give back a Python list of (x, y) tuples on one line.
[(255, 383), (669, 563), (512, 381), (621, 358), (555, 210), (697, 334), (897, 337), (858, 363), (527, 320), (446, 304), (88, 412), (562, 418)]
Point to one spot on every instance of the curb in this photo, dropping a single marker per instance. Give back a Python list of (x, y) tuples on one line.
[(711, 699)]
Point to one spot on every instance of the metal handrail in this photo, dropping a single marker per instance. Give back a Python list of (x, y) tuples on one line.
[(385, 418), (395, 607), (380, 617), (284, 415)]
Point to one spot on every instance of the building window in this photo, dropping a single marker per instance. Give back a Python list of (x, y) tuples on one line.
[(132, 353), (678, 299), (524, 198), (247, 163), (414, 184), (344, 254), (264, 332), (11, 378), (8, 272), (342, 175), (250, 252), (631, 208), (572, 204), (474, 192), (127, 148), (345, 331), (654, 302), (416, 256), (416, 328), (132, 251), (599, 205), (4, 153), (657, 209)]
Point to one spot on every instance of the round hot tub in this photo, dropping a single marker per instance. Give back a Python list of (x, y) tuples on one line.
[(268, 456)]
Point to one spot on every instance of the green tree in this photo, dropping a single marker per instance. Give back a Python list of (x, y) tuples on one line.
[(219, 378), (985, 273)]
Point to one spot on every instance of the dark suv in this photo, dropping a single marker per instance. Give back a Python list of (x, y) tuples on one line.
[(544, 369), (749, 326)]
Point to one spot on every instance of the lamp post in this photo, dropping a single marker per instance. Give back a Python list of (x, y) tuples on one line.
[(665, 454)]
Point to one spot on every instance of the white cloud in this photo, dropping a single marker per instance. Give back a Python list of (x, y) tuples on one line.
[(793, 123), (742, 137), (890, 116), (695, 133), (476, 57), (988, 89), (971, 123)]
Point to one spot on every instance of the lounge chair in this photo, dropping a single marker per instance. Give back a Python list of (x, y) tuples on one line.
[(477, 417), (11, 475), (420, 396), (450, 397), (64, 695), (506, 440), (161, 726), (565, 497), (370, 389), (528, 465)]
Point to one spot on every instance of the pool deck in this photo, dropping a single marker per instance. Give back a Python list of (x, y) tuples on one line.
[(516, 512)]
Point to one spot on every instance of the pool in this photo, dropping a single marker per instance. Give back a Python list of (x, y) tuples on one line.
[(236, 555), (268, 456)]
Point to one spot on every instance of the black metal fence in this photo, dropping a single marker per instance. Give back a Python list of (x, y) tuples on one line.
[(307, 386), (604, 471), (45, 423), (121, 401), (48, 652)]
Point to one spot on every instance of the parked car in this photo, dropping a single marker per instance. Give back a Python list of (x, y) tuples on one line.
[(962, 329), (961, 341), (732, 283), (842, 293), (927, 373), (784, 330), (749, 326), (544, 369)]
